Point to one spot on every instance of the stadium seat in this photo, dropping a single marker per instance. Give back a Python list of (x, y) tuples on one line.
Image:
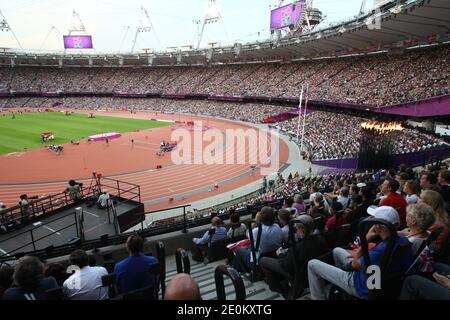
[(110, 281), (109, 265), (55, 294), (217, 250), (339, 236)]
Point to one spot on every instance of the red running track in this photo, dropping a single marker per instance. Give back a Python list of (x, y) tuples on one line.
[(131, 163)]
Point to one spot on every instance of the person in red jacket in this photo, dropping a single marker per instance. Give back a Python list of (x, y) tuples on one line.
[(338, 218), (393, 199)]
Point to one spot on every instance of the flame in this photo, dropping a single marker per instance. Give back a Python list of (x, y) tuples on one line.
[(382, 126)]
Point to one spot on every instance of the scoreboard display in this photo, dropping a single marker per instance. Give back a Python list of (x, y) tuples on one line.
[(286, 16)]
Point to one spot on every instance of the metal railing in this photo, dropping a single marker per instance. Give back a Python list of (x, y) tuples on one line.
[(37, 208), (150, 231), (32, 233), (198, 214), (127, 190), (21, 215)]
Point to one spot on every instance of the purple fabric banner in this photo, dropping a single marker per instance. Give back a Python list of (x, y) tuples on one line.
[(104, 136), (437, 106)]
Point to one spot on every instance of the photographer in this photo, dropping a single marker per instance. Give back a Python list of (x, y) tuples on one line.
[(74, 190), (23, 201), (2, 218)]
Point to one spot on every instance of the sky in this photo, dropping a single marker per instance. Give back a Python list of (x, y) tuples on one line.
[(112, 23)]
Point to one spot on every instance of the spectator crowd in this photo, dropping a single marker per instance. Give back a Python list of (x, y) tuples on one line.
[(378, 80), (337, 136), (415, 204), (328, 135)]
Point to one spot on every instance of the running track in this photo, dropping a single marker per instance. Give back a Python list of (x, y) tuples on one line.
[(160, 185)]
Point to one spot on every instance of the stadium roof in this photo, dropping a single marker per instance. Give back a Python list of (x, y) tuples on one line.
[(394, 27)]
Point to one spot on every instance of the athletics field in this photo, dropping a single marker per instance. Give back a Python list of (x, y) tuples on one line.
[(23, 131)]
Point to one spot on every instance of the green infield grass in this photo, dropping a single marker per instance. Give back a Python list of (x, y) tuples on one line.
[(23, 132)]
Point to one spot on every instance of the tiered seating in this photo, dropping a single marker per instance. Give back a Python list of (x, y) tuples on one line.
[(378, 80)]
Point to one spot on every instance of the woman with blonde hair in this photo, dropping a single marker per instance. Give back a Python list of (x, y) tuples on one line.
[(435, 200)]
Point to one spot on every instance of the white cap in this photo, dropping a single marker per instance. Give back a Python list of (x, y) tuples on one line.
[(384, 212), (361, 184)]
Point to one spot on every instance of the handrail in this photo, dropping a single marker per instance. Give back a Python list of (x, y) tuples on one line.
[(33, 240), (57, 201), (182, 261), (236, 279), (161, 256), (120, 181), (20, 215), (167, 209), (254, 247), (147, 232), (156, 230), (47, 222)]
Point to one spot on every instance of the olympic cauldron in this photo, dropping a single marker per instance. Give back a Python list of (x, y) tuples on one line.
[(376, 144)]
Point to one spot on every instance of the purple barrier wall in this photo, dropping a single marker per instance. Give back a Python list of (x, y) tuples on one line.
[(197, 95), (297, 112), (225, 98), (174, 96), (418, 158), (79, 94), (50, 94), (437, 106), (409, 159), (130, 95), (335, 171), (338, 163), (341, 105)]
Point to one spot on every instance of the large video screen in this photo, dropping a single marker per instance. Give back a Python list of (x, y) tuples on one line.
[(286, 16), (78, 42)]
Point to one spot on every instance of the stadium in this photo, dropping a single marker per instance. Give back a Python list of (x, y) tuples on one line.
[(312, 164)]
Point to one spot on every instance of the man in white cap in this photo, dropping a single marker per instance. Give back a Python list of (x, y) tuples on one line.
[(354, 281), (384, 212)]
